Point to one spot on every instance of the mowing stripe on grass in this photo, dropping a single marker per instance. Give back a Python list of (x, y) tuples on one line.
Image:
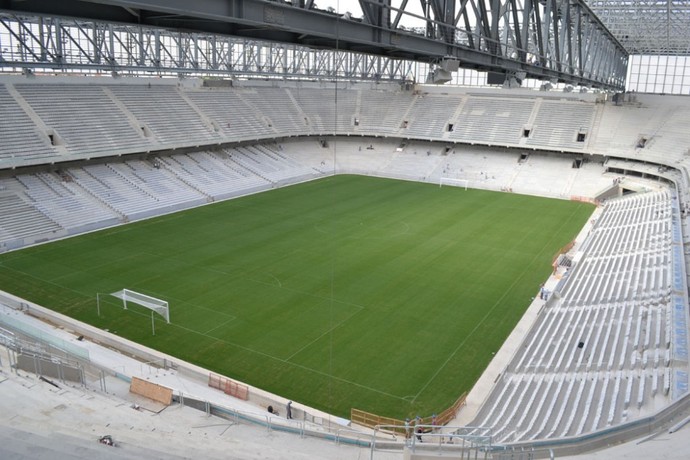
[(493, 307), (341, 292), (285, 361)]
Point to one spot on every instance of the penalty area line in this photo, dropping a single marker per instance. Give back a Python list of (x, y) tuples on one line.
[(308, 369), (512, 286), (220, 325)]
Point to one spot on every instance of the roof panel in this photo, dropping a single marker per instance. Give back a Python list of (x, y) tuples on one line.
[(647, 26)]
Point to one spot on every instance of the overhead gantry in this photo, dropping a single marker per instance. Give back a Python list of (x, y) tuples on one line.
[(551, 40)]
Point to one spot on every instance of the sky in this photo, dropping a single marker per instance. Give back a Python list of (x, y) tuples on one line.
[(352, 6)]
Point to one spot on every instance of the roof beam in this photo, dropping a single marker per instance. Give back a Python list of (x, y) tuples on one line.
[(482, 43)]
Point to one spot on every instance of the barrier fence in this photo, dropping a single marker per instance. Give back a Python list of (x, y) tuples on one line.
[(563, 250), (229, 387), (370, 420), (584, 199), (42, 336)]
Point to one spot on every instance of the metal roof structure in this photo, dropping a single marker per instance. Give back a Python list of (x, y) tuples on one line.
[(548, 40), (579, 42), (656, 27)]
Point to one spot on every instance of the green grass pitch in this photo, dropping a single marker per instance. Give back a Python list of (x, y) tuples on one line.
[(349, 291)]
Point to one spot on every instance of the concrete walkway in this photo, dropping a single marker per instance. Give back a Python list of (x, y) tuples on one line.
[(40, 421)]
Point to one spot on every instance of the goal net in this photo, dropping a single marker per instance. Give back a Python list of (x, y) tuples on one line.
[(453, 182), (157, 305)]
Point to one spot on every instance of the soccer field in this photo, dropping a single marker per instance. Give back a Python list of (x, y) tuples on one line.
[(349, 291)]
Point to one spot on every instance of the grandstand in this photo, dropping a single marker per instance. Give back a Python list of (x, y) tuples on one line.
[(153, 184), (617, 301), (601, 355), (600, 352)]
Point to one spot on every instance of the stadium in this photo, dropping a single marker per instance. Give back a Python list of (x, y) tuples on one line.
[(260, 229)]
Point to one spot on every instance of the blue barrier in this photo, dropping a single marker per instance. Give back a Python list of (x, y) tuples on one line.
[(680, 384), (680, 329), (678, 272)]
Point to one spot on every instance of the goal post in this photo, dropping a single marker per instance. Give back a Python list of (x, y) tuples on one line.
[(152, 303), (128, 296), (453, 181)]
